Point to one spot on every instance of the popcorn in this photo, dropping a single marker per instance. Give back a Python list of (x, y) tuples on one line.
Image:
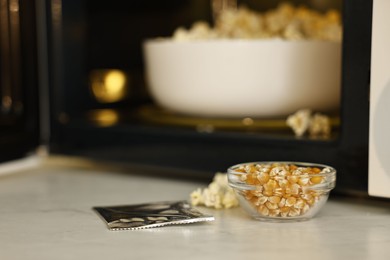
[(300, 121), (181, 34), (279, 18), (286, 22), (196, 197), (199, 30), (217, 195), (230, 200), (242, 23), (318, 125)]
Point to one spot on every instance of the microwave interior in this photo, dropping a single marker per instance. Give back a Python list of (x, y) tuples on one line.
[(73, 49)]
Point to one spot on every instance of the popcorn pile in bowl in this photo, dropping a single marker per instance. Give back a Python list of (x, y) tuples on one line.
[(286, 22)]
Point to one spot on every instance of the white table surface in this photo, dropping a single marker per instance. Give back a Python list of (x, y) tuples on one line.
[(45, 213)]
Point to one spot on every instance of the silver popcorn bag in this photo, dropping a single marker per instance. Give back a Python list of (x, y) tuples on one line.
[(150, 215)]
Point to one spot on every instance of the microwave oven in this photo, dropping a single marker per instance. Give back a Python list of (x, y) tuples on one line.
[(54, 51)]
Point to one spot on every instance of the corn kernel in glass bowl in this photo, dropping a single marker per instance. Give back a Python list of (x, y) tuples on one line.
[(282, 191)]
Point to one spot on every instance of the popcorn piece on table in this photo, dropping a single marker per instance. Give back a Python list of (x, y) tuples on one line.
[(217, 195)]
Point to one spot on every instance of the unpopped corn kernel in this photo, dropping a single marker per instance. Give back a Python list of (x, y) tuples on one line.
[(316, 179), (290, 201), (271, 205), (294, 212), (299, 204), (261, 200), (274, 199), (263, 177), (274, 212), (263, 210), (282, 202)]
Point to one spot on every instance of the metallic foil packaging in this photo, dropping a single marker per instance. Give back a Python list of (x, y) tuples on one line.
[(150, 215)]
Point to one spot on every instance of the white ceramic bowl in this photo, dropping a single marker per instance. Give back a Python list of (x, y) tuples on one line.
[(243, 78)]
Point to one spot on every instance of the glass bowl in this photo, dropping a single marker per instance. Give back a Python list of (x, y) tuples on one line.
[(282, 191)]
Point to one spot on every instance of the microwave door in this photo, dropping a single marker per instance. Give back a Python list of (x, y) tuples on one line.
[(19, 118), (5, 59)]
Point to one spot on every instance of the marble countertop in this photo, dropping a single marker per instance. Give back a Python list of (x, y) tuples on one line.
[(46, 213)]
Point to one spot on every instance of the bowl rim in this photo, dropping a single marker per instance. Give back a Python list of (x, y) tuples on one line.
[(332, 171), (161, 41)]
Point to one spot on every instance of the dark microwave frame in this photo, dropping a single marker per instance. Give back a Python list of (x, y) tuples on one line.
[(19, 70), (187, 152)]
